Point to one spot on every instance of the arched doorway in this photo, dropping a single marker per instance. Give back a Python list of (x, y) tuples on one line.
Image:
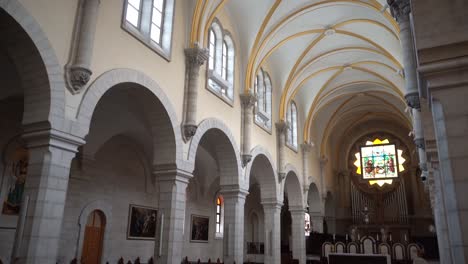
[(93, 238)]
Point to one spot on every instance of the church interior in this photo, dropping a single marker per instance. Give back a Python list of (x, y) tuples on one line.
[(233, 131)]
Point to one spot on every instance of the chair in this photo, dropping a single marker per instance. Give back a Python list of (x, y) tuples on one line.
[(353, 247), (368, 245), (340, 247), (413, 249), (384, 249), (327, 248), (398, 252)]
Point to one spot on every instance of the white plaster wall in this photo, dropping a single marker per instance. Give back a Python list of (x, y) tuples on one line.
[(117, 177)]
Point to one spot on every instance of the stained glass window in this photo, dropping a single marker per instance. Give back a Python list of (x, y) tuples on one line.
[(379, 162)]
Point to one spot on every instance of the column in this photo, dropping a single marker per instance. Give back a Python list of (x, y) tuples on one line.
[(78, 71), (50, 156), (248, 102), (281, 128), (437, 202), (401, 10), (194, 58), (306, 147), (298, 233), (323, 190), (172, 187), (234, 201), (317, 222), (272, 211)]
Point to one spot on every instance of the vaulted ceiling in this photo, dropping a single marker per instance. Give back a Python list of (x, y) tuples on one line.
[(334, 58)]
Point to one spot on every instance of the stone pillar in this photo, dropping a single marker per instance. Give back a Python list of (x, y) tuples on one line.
[(298, 233), (281, 128), (194, 58), (317, 222), (50, 156), (272, 211), (401, 11), (306, 147), (323, 190), (248, 102), (78, 71), (234, 201), (437, 202), (172, 196)]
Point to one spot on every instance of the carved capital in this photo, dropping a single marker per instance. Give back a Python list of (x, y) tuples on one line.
[(281, 127), (420, 143), (196, 55), (248, 100), (323, 161), (307, 147), (281, 176), (412, 99), (78, 77), (189, 130), (400, 9), (246, 158)]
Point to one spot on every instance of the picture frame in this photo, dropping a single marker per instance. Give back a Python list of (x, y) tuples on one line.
[(142, 222), (199, 231)]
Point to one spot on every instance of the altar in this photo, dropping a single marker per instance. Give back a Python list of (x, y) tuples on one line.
[(352, 258)]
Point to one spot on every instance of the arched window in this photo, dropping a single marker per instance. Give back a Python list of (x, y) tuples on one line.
[(291, 117), (219, 218), (262, 88), (220, 74), (212, 50), (150, 21)]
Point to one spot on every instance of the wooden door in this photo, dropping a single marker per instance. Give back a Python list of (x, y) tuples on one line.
[(93, 238)]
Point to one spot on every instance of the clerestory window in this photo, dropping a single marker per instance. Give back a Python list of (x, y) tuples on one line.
[(291, 118), (263, 90), (220, 74), (151, 22)]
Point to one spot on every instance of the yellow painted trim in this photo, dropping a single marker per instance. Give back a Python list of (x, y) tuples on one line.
[(252, 59), (317, 98), (196, 22), (285, 92), (250, 74), (328, 127), (210, 20), (369, 21)]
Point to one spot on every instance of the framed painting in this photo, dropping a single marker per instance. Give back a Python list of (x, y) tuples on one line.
[(200, 229), (141, 222)]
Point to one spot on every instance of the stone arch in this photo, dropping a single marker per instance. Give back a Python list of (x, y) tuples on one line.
[(37, 64), (106, 208), (164, 123), (292, 186), (227, 151), (313, 199), (263, 167)]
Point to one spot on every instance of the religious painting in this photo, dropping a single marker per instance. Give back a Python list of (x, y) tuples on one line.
[(142, 222), (379, 162), (15, 175), (200, 229)]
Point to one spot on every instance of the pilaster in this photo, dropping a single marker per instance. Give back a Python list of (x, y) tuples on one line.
[(234, 201), (195, 57), (50, 156), (78, 71), (298, 233), (172, 184), (248, 102), (272, 211), (281, 128)]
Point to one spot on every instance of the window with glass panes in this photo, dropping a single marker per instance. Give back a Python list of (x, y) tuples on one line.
[(149, 22), (218, 215)]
